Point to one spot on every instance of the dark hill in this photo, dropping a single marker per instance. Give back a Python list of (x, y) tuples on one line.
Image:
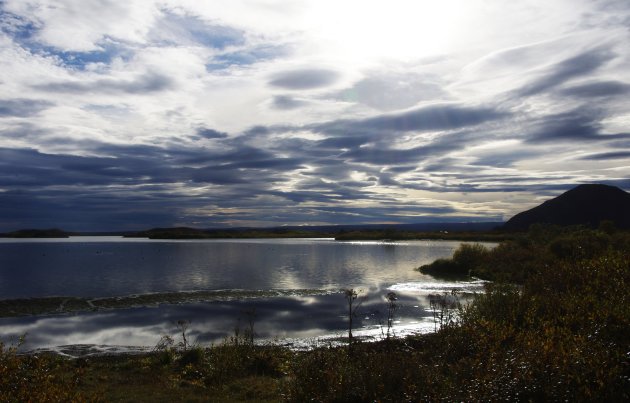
[(582, 205)]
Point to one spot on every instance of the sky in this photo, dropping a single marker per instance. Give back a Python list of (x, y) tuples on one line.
[(122, 115)]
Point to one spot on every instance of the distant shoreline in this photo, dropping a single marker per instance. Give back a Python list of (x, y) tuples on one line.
[(365, 231)]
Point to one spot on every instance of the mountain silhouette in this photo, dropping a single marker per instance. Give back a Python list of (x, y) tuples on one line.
[(583, 205)]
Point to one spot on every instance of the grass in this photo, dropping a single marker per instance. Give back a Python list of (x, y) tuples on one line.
[(150, 378)]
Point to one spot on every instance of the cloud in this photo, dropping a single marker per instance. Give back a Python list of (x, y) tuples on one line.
[(286, 102), (304, 79), (177, 29), (435, 117), (379, 156), (83, 210), (394, 91), (573, 126), (135, 165), (427, 118), (248, 55), (146, 83), (211, 133), (607, 14), (596, 89), (576, 66), (614, 155), (81, 25), (21, 107)]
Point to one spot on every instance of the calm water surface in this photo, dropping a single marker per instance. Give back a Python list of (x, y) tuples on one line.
[(114, 266)]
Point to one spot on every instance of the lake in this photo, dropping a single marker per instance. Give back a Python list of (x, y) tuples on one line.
[(115, 266)]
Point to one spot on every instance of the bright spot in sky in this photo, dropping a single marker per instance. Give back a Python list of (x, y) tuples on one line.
[(373, 30)]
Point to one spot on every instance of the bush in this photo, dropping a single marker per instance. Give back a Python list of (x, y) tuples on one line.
[(36, 378), (466, 259), (470, 256), (581, 245)]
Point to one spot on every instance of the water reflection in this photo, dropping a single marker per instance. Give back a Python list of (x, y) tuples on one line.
[(111, 266), (289, 320)]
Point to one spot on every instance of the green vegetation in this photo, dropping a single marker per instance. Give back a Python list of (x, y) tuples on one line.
[(236, 370), (465, 259), (39, 378), (543, 247), (553, 327)]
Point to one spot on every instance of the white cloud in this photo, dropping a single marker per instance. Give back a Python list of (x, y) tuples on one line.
[(79, 25)]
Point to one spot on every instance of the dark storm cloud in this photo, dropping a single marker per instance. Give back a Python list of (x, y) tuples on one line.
[(25, 167), (370, 140), (344, 142), (304, 79), (21, 107), (597, 89), (211, 133), (388, 211), (576, 66), (257, 131), (433, 117), (269, 163), (140, 165), (141, 187), (502, 159), (209, 175), (286, 102), (83, 210), (379, 156), (613, 155), (150, 82), (242, 154), (574, 126)]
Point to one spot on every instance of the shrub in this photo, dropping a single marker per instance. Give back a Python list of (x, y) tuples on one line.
[(37, 378), (466, 259), (581, 245)]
